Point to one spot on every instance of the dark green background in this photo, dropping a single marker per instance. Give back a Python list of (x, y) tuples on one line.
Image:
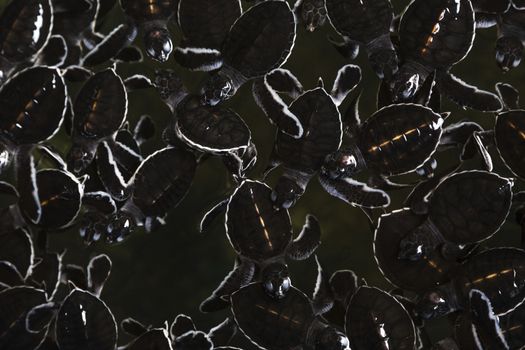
[(157, 276)]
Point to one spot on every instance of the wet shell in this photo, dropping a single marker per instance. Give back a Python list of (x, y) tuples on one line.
[(162, 181), (149, 10), (399, 138), (510, 140), (25, 27), (33, 104), (361, 20), (437, 33), (418, 276), (101, 106), (322, 134), (471, 206), (499, 273), (206, 23), (261, 39), (376, 320), (213, 129), (272, 324), (254, 227)]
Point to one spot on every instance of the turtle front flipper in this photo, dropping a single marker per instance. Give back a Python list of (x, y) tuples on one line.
[(284, 81), (485, 324), (101, 201), (144, 130), (347, 79), (29, 201), (486, 20), (242, 274), (308, 240), (223, 333), (354, 192), (323, 297), (468, 96), (54, 53), (138, 82), (207, 219), (52, 155), (456, 135), (276, 109), (110, 174), (129, 54), (193, 340), (478, 143), (508, 95), (198, 58), (120, 38), (344, 283), (98, 271), (347, 48), (182, 324), (133, 327)]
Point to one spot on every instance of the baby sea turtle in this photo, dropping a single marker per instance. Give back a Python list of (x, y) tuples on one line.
[(100, 110), (435, 35), (205, 25), (158, 185), (465, 208), (283, 324), (152, 17), (366, 24), (511, 34), (25, 28), (497, 272), (258, 42), (262, 237), (215, 130)]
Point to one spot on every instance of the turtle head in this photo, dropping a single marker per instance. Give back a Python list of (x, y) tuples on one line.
[(342, 163), (218, 88), (276, 280), (312, 13), (332, 339), (433, 304), (168, 83), (158, 44), (405, 84), (509, 51), (287, 191), (80, 157), (384, 62), (119, 227)]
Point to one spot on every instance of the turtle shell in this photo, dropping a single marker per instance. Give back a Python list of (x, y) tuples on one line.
[(518, 4), (154, 339), (162, 180), (322, 133), (60, 196), (261, 40), (25, 27), (149, 10), (213, 129), (361, 20), (85, 322), (206, 23), (437, 33), (376, 320), (15, 303), (512, 326), (418, 276), (33, 103), (399, 138), (470, 206), (270, 323), (510, 136), (16, 247), (256, 229), (101, 106), (499, 273), (491, 6)]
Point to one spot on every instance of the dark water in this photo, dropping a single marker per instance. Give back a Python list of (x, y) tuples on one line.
[(157, 276)]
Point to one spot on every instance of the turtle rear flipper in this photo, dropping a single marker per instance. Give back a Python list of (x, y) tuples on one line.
[(355, 193), (351, 119), (241, 275), (133, 327), (485, 324), (130, 54), (121, 37), (182, 324), (347, 48), (198, 58), (218, 209), (54, 53), (138, 82), (193, 340), (9, 275), (75, 74), (486, 20), (40, 317), (308, 240), (508, 95), (323, 297), (467, 95), (276, 109), (283, 81), (347, 79), (344, 284)]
